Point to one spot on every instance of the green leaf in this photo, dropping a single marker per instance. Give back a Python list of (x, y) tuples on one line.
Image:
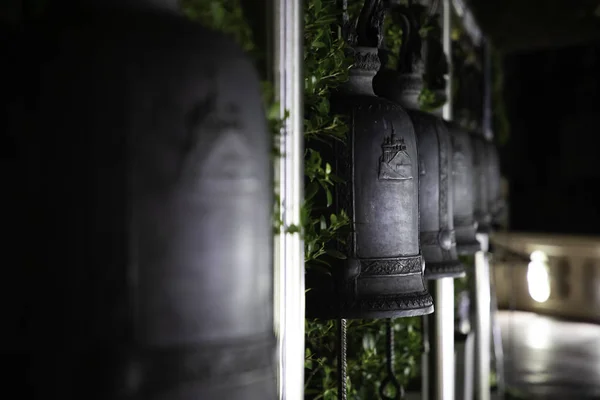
[(323, 223), (317, 6), (368, 341), (293, 229), (311, 190), (329, 198), (333, 218)]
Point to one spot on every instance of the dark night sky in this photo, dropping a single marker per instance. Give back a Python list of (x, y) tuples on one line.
[(552, 158)]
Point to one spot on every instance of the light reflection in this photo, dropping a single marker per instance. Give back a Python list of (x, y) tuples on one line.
[(538, 279), (538, 334)]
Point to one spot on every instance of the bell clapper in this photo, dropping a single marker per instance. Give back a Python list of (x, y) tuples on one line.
[(390, 379)]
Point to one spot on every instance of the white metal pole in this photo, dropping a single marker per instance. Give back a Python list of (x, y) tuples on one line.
[(497, 343), (440, 326), (489, 133), (482, 320), (289, 176), (468, 371)]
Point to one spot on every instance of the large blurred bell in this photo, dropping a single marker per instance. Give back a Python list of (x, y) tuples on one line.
[(148, 165), (463, 194), (382, 276), (437, 235)]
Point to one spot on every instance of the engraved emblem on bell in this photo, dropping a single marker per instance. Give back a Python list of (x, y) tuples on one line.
[(395, 163), (382, 276), (226, 158), (221, 161), (436, 202)]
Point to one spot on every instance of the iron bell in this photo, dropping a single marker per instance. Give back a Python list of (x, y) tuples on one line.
[(149, 171), (383, 274), (495, 199), (437, 235), (481, 182), (463, 194)]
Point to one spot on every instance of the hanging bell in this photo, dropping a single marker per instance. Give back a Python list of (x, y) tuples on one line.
[(463, 194), (383, 273), (495, 199), (481, 182), (469, 110), (437, 235), (149, 166)]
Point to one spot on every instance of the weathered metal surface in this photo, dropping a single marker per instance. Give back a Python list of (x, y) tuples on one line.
[(149, 168), (496, 201), (463, 193), (437, 235), (383, 274), (481, 183)]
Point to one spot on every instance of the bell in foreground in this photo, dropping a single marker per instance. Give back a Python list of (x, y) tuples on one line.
[(382, 276), (151, 159)]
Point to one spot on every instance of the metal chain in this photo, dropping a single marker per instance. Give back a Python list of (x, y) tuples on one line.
[(342, 350), (390, 379)]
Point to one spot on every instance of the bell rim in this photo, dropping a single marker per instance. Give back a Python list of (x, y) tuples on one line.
[(444, 269), (327, 313), (415, 312), (365, 308), (468, 248)]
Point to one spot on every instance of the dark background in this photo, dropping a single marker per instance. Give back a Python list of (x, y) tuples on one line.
[(551, 57), (552, 158)]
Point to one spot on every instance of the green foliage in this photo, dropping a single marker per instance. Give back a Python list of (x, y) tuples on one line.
[(366, 357), (225, 16), (393, 40), (464, 54), (325, 68), (429, 100), (429, 24)]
